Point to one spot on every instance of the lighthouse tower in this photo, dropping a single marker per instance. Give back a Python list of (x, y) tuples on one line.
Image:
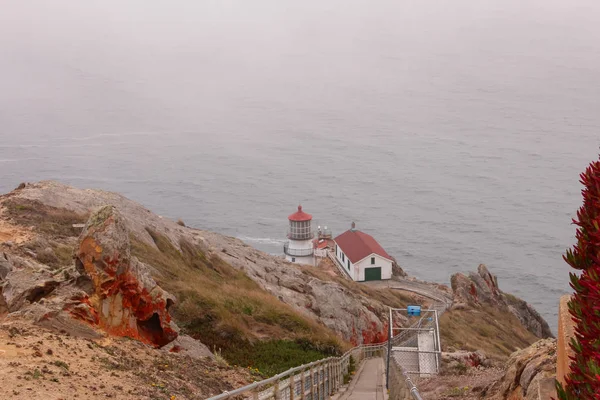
[(299, 247)]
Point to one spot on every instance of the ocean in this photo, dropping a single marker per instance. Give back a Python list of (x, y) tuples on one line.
[(452, 131)]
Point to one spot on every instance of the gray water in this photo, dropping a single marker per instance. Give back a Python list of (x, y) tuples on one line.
[(453, 131)]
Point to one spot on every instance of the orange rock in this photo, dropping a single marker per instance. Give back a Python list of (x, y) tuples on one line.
[(126, 301)]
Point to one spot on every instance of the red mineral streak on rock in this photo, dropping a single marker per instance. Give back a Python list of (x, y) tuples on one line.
[(473, 291), (126, 300)]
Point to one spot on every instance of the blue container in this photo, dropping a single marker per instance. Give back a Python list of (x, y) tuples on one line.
[(414, 311)]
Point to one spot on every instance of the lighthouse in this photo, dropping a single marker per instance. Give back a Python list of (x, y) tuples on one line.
[(299, 247)]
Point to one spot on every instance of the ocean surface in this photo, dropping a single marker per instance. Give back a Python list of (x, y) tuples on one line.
[(452, 131)]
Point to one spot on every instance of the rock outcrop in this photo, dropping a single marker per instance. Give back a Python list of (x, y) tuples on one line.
[(125, 301), (25, 282), (526, 371), (481, 288), (355, 317)]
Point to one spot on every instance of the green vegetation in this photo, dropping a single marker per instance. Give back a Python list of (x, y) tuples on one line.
[(225, 309), (274, 356), (496, 333), (582, 381), (457, 391), (36, 374), (61, 364)]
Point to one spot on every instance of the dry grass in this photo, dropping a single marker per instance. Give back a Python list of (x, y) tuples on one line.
[(496, 333), (389, 297), (222, 307), (53, 221)]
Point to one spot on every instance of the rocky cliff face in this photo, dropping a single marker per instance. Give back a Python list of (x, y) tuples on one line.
[(103, 255), (481, 288), (125, 300), (528, 373), (112, 293), (357, 318)]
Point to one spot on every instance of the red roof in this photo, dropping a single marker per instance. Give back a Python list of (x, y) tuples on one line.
[(321, 243), (358, 245), (300, 216)]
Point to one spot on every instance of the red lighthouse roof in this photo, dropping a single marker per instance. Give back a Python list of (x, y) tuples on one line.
[(300, 216)]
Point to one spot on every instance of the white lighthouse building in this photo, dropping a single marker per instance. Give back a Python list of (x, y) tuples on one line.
[(299, 247)]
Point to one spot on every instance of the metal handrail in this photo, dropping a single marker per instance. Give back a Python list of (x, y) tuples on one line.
[(330, 372), (336, 368)]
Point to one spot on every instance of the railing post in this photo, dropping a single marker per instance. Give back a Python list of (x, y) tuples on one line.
[(439, 343), (389, 352), (331, 379), (276, 390), (338, 372), (322, 378), (255, 395), (292, 387), (318, 388), (302, 389), (312, 384)]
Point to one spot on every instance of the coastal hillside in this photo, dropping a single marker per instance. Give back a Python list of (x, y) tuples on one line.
[(89, 269), (244, 305)]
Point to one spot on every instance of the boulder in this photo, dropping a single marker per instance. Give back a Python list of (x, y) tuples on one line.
[(26, 282), (525, 372), (5, 266), (187, 346), (125, 301), (482, 288)]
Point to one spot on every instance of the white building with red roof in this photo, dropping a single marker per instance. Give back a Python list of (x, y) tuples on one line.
[(299, 248), (361, 257)]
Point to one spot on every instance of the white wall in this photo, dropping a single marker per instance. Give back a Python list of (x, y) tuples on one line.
[(309, 260), (386, 267), (321, 252), (300, 245), (344, 262)]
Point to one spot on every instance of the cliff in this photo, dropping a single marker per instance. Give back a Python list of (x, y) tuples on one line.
[(481, 289), (97, 266)]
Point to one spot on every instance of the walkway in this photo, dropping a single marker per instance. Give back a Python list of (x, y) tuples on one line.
[(442, 299), (368, 384)]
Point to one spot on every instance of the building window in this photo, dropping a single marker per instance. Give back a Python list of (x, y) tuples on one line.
[(343, 257), (348, 264), (293, 259), (372, 260)]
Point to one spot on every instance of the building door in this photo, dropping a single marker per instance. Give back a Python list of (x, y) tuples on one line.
[(373, 274)]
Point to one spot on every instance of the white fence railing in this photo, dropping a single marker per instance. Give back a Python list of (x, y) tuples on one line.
[(321, 379), (315, 381)]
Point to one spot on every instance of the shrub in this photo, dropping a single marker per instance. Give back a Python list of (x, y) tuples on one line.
[(583, 380), (273, 356)]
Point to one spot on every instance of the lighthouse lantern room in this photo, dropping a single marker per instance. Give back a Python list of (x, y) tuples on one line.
[(299, 247)]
